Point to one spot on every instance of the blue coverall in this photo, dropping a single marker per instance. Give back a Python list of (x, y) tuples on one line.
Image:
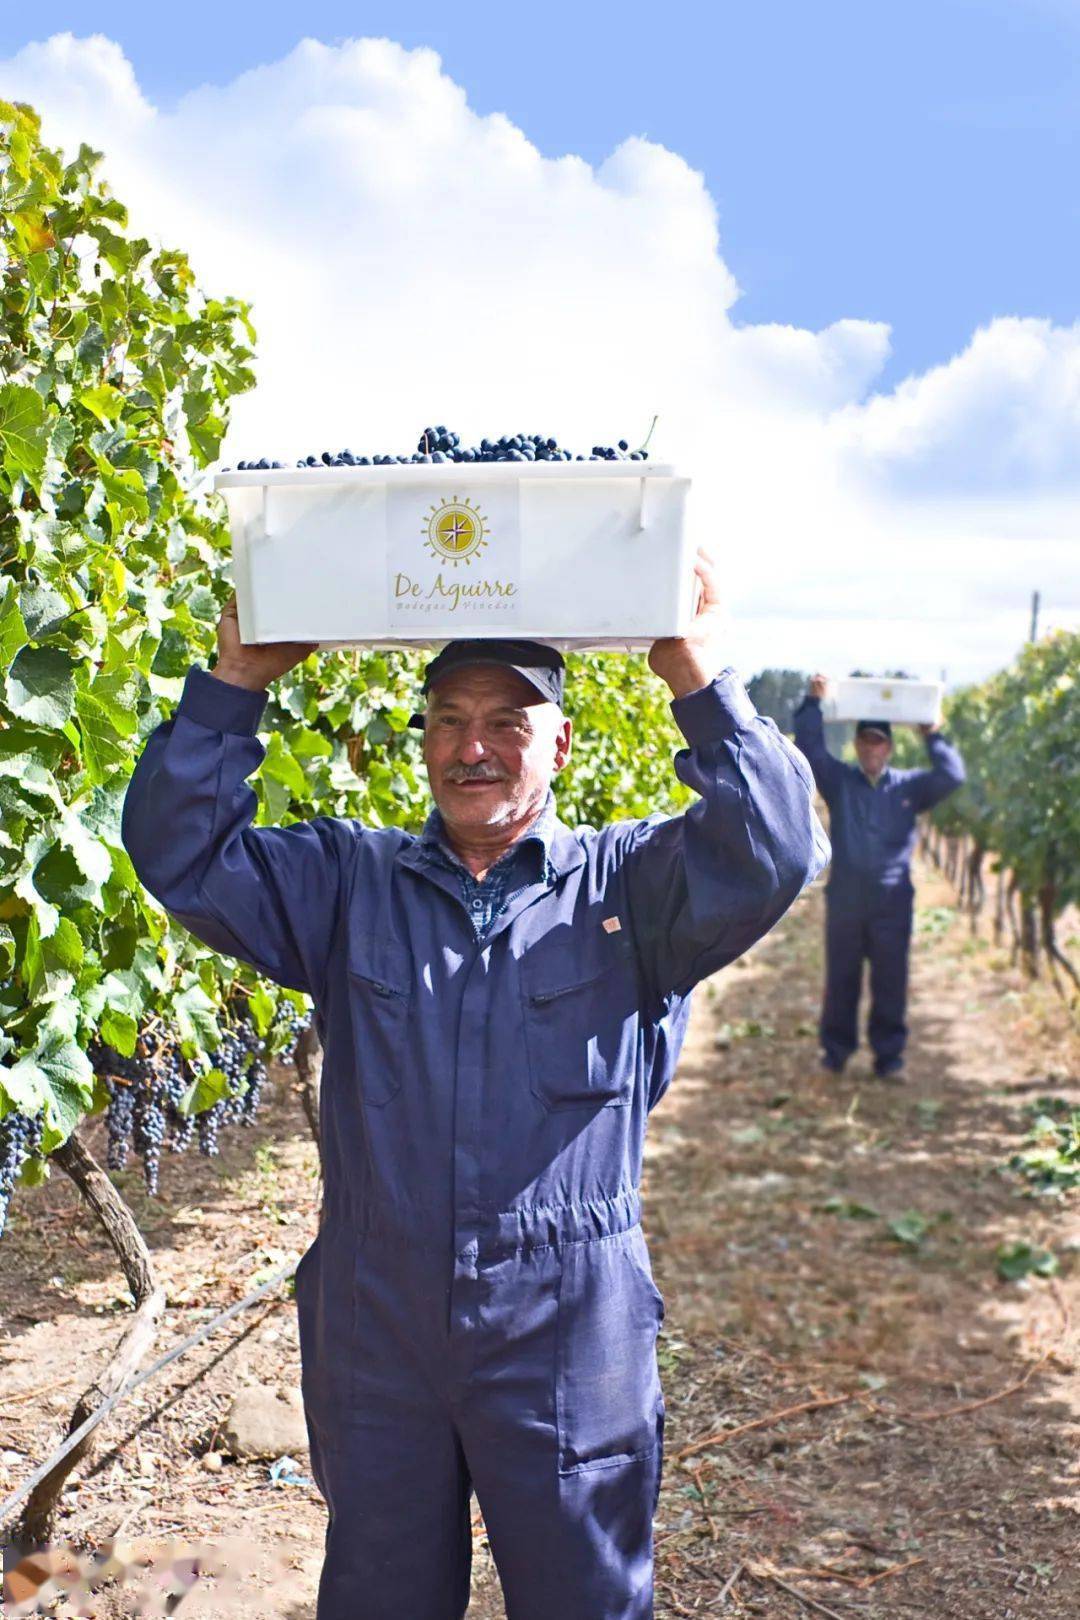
[(477, 1311), (869, 897)]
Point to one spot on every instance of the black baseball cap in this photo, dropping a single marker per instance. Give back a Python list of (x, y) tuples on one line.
[(883, 726), (542, 666)]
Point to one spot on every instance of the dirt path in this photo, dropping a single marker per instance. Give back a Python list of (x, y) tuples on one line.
[(776, 1301), (773, 1201)]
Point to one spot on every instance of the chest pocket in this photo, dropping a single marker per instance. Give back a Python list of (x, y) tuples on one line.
[(380, 994), (896, 816), (581, 1024)]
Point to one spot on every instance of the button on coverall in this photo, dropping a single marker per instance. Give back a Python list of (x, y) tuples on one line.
[(869, 899), (477, 1311)]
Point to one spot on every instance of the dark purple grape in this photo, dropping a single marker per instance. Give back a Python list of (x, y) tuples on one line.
[(438, 444)]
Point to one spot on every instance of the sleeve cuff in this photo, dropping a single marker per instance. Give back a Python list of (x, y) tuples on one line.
[(715, 712), (220, 706), (808, 702)]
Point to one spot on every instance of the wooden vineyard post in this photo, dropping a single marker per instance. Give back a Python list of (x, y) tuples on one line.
[(308, 1058)]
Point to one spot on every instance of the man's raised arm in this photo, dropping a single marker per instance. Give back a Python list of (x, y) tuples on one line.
[(266, 895), (946, 772), (810, 738), (705, 885)]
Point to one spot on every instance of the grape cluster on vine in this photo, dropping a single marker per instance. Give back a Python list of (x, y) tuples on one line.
[(147, 1090), (293, 1023), (20, 1139)]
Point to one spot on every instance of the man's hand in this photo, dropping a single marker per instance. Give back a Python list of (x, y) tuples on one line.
[(253, 667), (928, 730), (690, 662), (819, 685)]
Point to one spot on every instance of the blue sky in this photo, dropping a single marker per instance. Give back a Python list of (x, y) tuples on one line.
[(872, 374), (911, 163)]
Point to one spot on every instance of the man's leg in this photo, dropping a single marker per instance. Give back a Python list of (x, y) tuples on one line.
[(579, 1546), (562, 1429), (399, 1540), (384, 1450), (844, 944), (890, 945)]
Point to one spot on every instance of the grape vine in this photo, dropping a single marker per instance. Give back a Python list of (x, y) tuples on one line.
[(1019, 733)]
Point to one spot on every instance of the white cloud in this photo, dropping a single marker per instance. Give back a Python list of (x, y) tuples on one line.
[(1002, 416), (410, 260)]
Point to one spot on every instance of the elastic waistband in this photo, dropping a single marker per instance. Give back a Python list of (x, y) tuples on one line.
[(539, 1228), (495, 1232)]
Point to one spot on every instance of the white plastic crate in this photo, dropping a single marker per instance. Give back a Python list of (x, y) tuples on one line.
[(863, 697), (577, 554)]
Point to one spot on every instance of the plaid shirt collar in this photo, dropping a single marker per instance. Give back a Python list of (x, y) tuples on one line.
[(527, 861), (434, 841)]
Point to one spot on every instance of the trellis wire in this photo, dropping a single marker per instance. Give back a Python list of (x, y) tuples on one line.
[(18, 1497)]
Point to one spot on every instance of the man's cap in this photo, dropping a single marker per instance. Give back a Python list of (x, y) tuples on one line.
[(883, 727), (542, 666)]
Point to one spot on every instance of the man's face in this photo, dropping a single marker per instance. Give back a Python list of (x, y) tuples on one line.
[(492, 746), (873, 752)]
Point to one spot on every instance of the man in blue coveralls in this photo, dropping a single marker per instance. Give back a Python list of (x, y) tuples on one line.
[(869, 898), (501, 1001)]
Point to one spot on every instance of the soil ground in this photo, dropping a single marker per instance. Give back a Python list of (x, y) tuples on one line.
[(821, 1243)]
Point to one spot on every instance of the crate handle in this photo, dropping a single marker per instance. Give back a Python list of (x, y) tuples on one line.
[(641, 504), (260, 523)]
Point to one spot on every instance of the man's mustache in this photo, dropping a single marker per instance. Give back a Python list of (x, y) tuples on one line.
[(474, 773)]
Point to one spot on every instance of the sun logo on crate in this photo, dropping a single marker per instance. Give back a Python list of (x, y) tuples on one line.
[(456, 531)]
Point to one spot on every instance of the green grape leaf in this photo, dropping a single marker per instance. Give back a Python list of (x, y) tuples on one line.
[(281, 766), (125, 491), (22, 430), (305, 743), (46, 915), (104, 401), (195, 1017), (204, 1092), (119, 1030), (42, 609), (13, 631), (41, 685), (90, 854), (107, 721), (262, 1008), (25, 1085)]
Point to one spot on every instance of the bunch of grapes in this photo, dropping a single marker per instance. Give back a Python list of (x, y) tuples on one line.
[(176, 1077), (294, 1024), (438, 444), (210, 1122), (20, 1139), (257, 1075), (147, 1090), (124, 1078), (238, 1051)]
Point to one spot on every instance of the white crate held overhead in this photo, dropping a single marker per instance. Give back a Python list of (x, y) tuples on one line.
[(577, 554), (865, 697)]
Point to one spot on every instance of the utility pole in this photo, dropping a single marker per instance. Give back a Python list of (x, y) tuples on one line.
[(1034, 636)]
